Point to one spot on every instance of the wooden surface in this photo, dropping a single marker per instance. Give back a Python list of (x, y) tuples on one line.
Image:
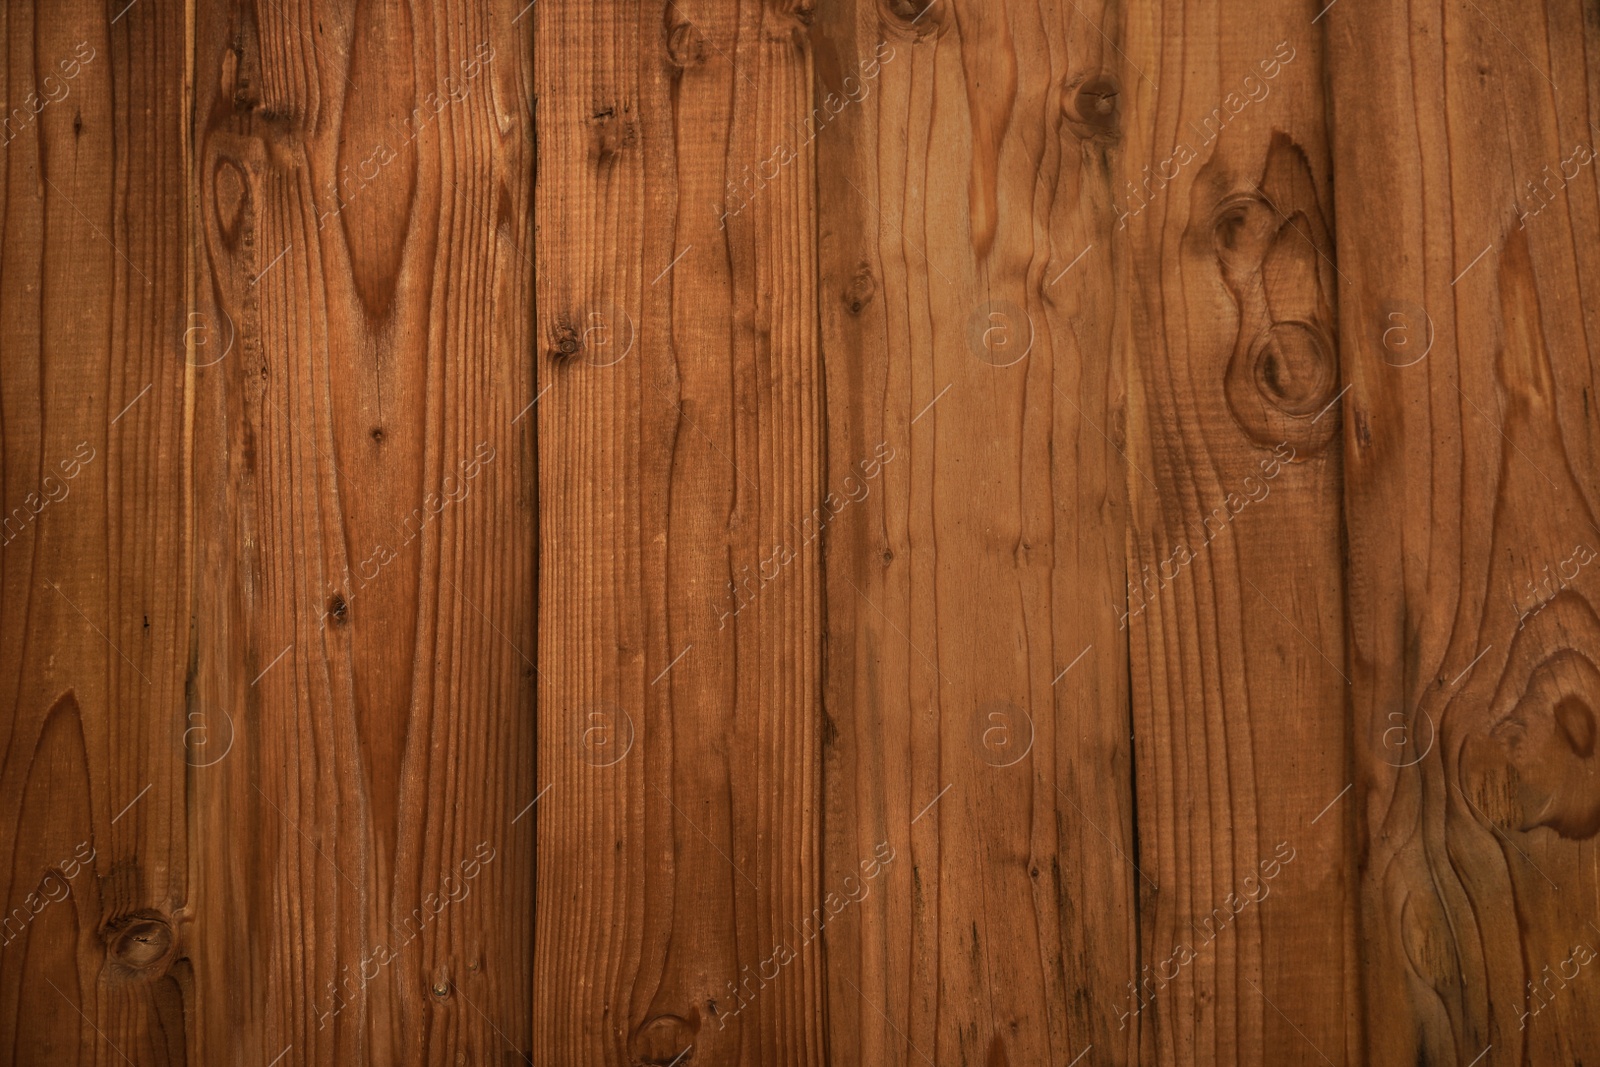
[(981, 560), (1235, 619), (1470, 498), (664, 532)]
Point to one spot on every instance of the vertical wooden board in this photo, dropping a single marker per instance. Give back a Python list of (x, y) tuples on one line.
[(1233, 604), (1467, 215), (364, 655), (94, 565), (979, 812), (678, 440)]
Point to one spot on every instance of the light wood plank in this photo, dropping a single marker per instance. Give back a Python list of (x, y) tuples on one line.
[(977, 695)]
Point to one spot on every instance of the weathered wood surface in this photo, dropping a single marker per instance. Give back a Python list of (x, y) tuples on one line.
[(96, 563), (977, 692), (886, 531), (1467, 241), (680, 614), (1234, 604), (364, 610)]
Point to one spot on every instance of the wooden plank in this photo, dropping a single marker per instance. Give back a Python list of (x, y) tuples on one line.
[(678, 440), (1467, 213), (364, 508), (978, 767), (1234, 600), (95, 568)]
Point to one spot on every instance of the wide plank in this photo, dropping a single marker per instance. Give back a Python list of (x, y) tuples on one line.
[(363, 634)]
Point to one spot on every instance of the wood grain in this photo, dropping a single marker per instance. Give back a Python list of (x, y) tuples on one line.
[(977, 693), (1467, 311), (1234, 596), (666, 532), (95, 566), (364, 612), (679, 445)]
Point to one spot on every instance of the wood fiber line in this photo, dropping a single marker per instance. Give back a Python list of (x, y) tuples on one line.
[(679, 447), (1467, 207), (977, 769), (363, 635), (95, 568), (1234, 599)]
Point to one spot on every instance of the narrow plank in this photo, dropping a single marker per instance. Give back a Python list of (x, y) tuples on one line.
[(978, 770), (363, 612), (678, 443), (95, 567), (1467, 214), (1234, 598)]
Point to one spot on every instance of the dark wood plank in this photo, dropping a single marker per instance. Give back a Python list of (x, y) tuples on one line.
[(95, 564), (679, 441), (363, 496)]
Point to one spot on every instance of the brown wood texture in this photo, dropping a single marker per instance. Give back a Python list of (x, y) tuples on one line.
[(1470, 497), (361, 240), (679, 446), (96, 564), (977, 690), (743, 532), (1234, 606)]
